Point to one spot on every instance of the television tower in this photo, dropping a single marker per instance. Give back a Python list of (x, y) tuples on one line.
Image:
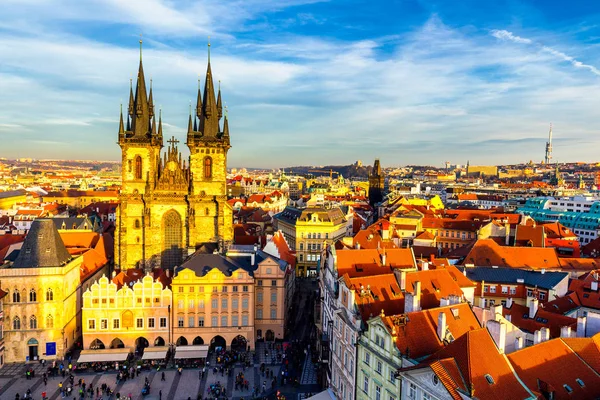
[(548, 157)]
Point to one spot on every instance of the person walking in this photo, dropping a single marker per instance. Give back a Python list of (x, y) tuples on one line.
[(162, 377), (160, 395)]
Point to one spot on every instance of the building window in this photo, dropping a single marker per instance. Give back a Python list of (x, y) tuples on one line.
[(259, 297), (32, 296), (504, 289), (492, 289), (273, 283), (367, 358), (208, 167), (392, 376), (513, 290), (412, 391), (180, 321), (379, 367), (151, 322), (200, 321), (49, 295), (104, 324), (244, 304), (259, 282), (163, 322), (200, 303), (116, 323), (259, 314), (223, 304), (245, 288), (235, 320), (16, 296), (214, 321), (50, 321), (139, 323), (215, 289), (214, 304), (191, 321), (234, 304), (224, 289), (244, 320), (16, 323), (138, 167), (273, 313), (274, 298), (234, 289), (542, 296), (191, 304), (179, 303), (377, 393), (366, 384)]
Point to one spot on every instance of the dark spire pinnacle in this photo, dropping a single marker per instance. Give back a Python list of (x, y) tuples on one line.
[(209, 123), (226, 129), (199, 101), (219, 104), (160, 134), (154, 125), (121, 126), (131, 101), (142, 117), (150, 100), (190, 127)]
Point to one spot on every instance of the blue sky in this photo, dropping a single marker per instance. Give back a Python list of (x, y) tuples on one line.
[(308, 81)]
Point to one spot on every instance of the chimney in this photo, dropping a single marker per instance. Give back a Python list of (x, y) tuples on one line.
[(545, 331), (508, 317), (502, 338), (497, 331), (357, 246), (114, 273), (403, 280), (594, 286), (533, 308), (509, 302), (424, 266), (482, 302), (417, 287), (383, 258), (581, 326), (507, 235), (497, 310), (565, 332), (519, 343), (537, 337), (441, 327)]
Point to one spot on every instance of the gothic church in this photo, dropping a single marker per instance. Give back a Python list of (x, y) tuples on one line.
[(170, 208)]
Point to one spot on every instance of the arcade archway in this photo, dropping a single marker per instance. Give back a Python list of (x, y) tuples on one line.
[(117, 344), (97, 345), (182, 341), (159, 341), (239, 343), (218, 342), (198, 340)]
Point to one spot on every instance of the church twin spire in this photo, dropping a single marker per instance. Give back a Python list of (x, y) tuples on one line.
[(141, 119)]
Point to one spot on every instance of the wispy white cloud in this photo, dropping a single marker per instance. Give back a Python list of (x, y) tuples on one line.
[(506, 35)]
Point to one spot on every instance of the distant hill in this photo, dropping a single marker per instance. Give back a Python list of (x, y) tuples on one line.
[(348, 171)]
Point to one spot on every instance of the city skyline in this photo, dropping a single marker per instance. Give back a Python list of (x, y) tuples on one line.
[(308, 82)]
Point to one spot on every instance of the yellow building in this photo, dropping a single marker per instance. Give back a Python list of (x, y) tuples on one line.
[(169, 209), (40, 311), (11, 198), (229, 300), (136, 316), (309, 230), (80, 198)]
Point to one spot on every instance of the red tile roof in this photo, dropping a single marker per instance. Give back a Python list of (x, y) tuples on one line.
[(552, 364), (417, 331), (476, 359), (364, 262), (487, 252), (519, 316)]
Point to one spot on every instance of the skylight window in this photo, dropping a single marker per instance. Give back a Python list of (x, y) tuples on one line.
[(580, 382), (567, 388), (489, 379)]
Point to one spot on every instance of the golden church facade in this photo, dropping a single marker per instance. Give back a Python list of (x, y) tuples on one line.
[(169, 208)]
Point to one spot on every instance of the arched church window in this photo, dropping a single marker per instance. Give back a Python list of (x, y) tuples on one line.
[(49, 295), (138, 167), (16, 296), (32, 296), (172, 239), (32, 322), (16, 323), (208, 167), (49, 321)]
